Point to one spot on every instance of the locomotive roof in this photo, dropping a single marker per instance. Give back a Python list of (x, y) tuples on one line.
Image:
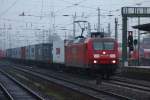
[(104, 38), (85, 40)]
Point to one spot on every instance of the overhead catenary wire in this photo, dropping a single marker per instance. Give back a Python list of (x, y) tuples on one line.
[(9, 8), (137, 3), (74, 3), (78, 4), (21, 21)]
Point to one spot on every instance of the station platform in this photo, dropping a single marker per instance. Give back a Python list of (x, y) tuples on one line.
[(141, 67)]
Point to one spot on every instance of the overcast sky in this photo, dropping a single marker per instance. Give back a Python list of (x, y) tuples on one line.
[(47, 14)]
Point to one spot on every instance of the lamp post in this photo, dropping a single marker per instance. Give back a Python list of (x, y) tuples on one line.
[(138, 4)]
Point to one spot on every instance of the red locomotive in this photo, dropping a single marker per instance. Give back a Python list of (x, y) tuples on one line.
[(96, 53)]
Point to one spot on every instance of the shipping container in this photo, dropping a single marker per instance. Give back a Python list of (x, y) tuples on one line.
[(9, 53), (27, 52), (43, 52), (31, 52), (58, 52), (16, 53), (23, 53)]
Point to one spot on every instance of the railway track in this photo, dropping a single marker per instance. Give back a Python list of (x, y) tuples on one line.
[(131, 81), (4, 95), (91, 91), (131, 85), (126, 92), (11, 89)]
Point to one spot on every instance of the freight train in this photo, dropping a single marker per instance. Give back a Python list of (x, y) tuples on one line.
[(94, 53)]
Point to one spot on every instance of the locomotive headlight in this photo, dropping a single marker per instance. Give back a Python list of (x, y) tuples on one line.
[(96, 55), (103, 52), (112, 56), (95, 61), (113, 61)]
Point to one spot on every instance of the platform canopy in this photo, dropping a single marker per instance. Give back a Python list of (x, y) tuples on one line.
[(135, 11), (143, 27)]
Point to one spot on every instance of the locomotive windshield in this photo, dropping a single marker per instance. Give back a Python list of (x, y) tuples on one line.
[(99, 45)]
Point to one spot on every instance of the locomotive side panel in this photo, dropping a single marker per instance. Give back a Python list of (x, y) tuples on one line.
[(76, 55), (81, 55)]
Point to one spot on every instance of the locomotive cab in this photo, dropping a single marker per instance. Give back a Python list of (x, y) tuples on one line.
[(94, 53), (103, 53)]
